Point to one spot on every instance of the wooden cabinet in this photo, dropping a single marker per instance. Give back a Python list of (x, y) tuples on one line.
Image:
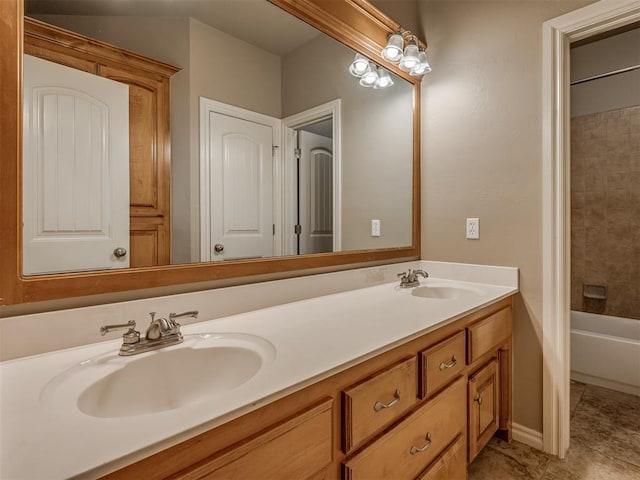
[(442, 363), (451, 464), (377, 401), (149, 128), (484, 406), (410, 446), (429, 437), (297, 448)]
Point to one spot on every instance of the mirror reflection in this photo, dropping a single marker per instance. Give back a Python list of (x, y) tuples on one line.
[(271, 147)]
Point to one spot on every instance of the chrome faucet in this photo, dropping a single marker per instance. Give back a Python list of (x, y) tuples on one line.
[(410, 279), (161, 332)]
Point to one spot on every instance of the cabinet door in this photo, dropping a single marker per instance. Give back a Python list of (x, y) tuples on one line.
[(484, 406)]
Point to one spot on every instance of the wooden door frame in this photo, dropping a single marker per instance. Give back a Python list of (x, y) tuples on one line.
[(558, 33), (207, 106), (289, 125)]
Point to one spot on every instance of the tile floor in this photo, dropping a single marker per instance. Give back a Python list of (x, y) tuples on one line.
[(605, 444)]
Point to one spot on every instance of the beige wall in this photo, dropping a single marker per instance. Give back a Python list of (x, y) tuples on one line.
[(230, 71), (376, 140), (607, 55), (481, 156)]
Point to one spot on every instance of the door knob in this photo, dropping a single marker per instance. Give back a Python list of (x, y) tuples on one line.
[(120, 252), (218, 248)]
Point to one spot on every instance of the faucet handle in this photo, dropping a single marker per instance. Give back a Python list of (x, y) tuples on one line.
[(190, 313), (130, 336)]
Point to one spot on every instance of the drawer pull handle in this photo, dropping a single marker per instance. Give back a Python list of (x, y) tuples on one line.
[(478, 399), (415, 449), (451, 364), (381, 406)]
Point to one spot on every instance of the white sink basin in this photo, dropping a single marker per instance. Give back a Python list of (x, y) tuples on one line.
[(446, 292), (203, 367)]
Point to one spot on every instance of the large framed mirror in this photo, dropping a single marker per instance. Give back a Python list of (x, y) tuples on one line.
[(333, 182)]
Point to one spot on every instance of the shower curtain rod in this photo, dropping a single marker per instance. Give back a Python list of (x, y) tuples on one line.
[(603, 75)]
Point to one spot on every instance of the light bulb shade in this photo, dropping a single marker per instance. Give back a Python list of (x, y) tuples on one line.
[(384, 79), (370, 77), (423, 67), (410, 58), (359, 65), (393, 51)]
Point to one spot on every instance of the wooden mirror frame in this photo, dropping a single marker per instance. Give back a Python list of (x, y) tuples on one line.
[(355, 23)]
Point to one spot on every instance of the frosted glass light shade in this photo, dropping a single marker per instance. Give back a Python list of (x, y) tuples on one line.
[(410, 58), (370, 77), (393, 51), (384, 79), (359, 65), (422, 67)]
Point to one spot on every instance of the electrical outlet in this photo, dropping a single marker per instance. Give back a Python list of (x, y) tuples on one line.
[(375, 228), (473, 228)]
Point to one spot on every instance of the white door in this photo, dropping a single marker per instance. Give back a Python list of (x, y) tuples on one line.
[(75, 170), (241, 186), (315, 193)]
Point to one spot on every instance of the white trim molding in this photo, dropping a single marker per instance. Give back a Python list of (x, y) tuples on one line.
[(527, 436), (558, 33), (332, 110)]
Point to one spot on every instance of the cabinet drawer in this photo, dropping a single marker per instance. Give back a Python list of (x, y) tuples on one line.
[(450, 464), (441, 363), (377, 401), (408, 448), (297, 448), (488, 333)]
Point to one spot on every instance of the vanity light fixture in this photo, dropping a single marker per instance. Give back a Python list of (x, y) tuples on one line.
[(393, 51), (370, 74), (422, 67), (411, 59), (359, 65), (384, 79)]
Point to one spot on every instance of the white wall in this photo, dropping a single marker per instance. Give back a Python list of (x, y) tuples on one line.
[(481, 156)]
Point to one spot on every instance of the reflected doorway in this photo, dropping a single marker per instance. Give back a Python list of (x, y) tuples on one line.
[(314, 178)]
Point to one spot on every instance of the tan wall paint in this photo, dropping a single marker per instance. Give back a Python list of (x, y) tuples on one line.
[(376, 174), (609, 93), (230, 71), (481, 156)]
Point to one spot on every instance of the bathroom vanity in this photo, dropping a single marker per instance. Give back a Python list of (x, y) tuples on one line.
[(410, 382), (401, 414)]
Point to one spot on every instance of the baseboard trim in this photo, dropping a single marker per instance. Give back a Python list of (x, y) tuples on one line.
[(527, 436)]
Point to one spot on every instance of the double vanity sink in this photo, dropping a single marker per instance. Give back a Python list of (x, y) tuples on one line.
[(113, 410)]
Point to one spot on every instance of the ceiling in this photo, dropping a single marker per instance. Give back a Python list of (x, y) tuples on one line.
[(255, 21)]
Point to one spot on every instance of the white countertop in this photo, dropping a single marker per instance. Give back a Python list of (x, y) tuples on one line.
[(313, 339)]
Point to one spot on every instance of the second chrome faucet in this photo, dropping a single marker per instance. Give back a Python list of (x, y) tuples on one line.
[(161, 332)]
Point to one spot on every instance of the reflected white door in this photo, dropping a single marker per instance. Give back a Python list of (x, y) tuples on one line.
[(75, 170), (315, 196), (241, 185)]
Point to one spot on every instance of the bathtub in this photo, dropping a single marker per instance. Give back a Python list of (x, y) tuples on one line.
[(605, 351)]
